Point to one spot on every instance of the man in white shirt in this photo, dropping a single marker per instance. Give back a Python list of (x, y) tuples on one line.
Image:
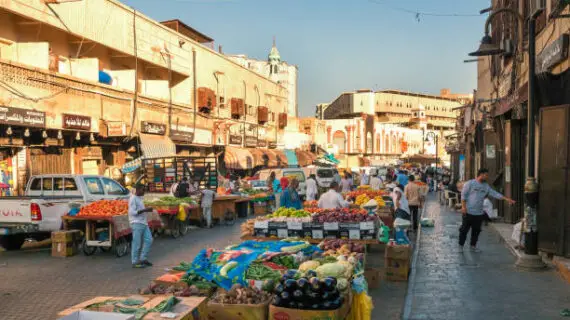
[(312, 190), (364, 178), (332, 199), (375, 182), (206, 204), (142, 236)]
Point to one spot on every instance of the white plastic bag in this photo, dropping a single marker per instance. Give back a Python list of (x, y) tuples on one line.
[(427, 222), (517, 236), (402, 223)]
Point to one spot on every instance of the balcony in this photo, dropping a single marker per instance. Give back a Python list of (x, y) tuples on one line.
[(237, 108), (262, 115)]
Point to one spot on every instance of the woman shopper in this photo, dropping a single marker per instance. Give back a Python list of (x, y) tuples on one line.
[(290, 198)]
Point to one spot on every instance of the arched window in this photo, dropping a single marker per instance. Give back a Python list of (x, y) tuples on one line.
[(339, 139)]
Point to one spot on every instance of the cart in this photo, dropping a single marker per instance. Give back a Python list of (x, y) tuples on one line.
[(106, 232), (223, 209), (170, 221)]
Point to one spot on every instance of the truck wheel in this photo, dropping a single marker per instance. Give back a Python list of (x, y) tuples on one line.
[(121, 247), (87, 250), (13, 242)]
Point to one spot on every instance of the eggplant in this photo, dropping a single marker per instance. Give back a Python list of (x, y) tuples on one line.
[(303, 283), (285, 297), (315, 284), (291, 273), (277, 301), (312, 296), (298, 295), (329, 283), (333, 294), (278, 288), (290, 285), (284, 278), (310, 274), (326, 296)]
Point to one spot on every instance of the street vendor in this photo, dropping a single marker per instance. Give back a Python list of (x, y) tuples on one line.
[(332, 199), (142, 236), (206, 204), (290, 197)]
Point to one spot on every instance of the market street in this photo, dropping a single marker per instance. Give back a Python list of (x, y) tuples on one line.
[(34, 285), (453, 285)]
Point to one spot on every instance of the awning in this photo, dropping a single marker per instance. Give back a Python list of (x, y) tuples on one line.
[(291, 158), (157, 146), (305, 158), (277, 158), (260, 157), (238, 159)]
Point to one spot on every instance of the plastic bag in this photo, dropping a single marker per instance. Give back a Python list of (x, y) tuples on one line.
[(384, 234), (182, 215), (402, 237), (517, 235), (402, 223), (361, 307), (427, 222)]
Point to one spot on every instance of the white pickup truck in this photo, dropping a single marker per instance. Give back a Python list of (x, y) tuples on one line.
[(46, 199)]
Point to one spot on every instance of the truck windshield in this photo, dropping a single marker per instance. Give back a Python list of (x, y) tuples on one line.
[(295, 174), (324, 173)]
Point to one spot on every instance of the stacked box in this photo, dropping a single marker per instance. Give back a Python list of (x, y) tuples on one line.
[(260, 208), (65, 243), (349, 231), (317, 231), (278, 229), (397, 262)]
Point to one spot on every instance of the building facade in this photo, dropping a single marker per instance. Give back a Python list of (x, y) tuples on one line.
[(81, 96)]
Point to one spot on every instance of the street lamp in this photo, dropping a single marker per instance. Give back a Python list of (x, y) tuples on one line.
[(530, 259)]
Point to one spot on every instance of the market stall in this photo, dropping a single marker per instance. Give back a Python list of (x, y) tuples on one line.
[(106, 226), (174, 213)]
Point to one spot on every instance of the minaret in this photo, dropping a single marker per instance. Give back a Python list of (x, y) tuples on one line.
[(274, 59)]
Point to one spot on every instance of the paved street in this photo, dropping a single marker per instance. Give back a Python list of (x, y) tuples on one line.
[(34, 285), (452, 285)]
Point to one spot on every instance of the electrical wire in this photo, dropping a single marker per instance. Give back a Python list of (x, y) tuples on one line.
[(418, 13), (22, 95)]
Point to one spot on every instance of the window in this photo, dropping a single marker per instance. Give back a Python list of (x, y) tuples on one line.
[(94, 185), (113, 188), (69, 184), (47, 184), (222, 102), (58, 184), (36, 184), (295, 174)]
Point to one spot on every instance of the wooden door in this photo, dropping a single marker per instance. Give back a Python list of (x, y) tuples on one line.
[(553, 176), (518, 168)]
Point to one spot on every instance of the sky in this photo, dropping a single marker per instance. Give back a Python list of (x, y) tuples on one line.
[(344, 45)]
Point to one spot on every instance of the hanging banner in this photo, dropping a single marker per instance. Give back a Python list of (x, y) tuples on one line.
[(76, 122)]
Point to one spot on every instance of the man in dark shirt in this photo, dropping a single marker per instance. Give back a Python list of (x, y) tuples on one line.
[(182, 191)]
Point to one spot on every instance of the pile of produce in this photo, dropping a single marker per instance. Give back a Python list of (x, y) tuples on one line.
[(364, 187), (289, 213), (176, 290), (169, 201), (240, 295), (338, 244), (105, 208), (311, 204), (308, 292), (266, 271), (249, 225), (371, 194), (343, 215)]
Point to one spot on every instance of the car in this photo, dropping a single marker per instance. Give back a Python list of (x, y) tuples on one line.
[(289, 173)]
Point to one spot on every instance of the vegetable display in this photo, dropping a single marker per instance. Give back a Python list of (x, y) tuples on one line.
[(307, 293), (260, 271), (336, 244), (170, 201), (286, 261), (240, 295), (106, 208), (289, 213), (371, 194), (311, 204), (343, 215)]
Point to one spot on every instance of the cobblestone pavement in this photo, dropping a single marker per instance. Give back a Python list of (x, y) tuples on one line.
[(34, 285), (452, 285)]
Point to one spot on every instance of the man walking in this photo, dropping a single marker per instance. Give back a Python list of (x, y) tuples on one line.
[(472, 198), (412, 192), (206, 203), (142, 236)]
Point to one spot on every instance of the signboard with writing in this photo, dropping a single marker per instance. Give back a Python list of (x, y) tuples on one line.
[(22, 117), (251, 142), (272, 145), (235, 139), (181, 132), (116, 129), (261, 143), (153, 128), (76, 122), (552, 54)]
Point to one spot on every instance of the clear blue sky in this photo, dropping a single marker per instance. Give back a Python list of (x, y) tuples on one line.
[(343, 45)]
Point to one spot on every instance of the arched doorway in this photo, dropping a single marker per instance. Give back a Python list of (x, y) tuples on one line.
[(339, 140)]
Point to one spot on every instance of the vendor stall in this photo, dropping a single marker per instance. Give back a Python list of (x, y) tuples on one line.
[(174, 213)]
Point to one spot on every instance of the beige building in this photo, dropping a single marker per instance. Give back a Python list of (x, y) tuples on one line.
[(277, 70), (86, 86)]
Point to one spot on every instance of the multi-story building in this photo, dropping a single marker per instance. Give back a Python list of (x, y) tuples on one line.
[(277, 70), (86, 86)]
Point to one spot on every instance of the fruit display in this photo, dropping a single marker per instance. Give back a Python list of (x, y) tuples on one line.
[(106, 208), (240, 295), (361, 199), (364, 187), (307, 293), (343, 215), (311, 204), (371, 194), (337, 244), (169, 201), (289, 213)]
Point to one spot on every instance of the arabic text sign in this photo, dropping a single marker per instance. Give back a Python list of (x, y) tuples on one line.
[(76, 122), (22, 117), (153, 128)]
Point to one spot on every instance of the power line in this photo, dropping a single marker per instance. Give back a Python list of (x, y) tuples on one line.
[(418, 13)]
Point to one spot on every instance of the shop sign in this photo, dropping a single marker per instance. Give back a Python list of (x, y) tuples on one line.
[(91, 152), (261, 143), (116, 129), (250, 142), (180, 132), (203, 136), (272, 145), (76, 122), (553, 54), (153, 128), (490, 151), (506, 103), (22, 117), (235, 139)]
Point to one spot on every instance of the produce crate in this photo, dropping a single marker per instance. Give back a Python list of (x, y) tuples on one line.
[(237, 311), (65, 243), (372, 276), (400, 252), (278, 229), (280, 313), (396, 269), (259, 210)]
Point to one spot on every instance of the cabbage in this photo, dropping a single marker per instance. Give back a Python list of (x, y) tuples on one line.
[(335, 270), (309, 265), (341, 284), (348, 269)]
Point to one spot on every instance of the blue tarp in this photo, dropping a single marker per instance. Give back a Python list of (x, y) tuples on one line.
[(291, 158)]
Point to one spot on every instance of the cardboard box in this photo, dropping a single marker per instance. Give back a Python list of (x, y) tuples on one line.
[(396, 269), (66, 236), (64, 249), (259, 210), (280, 313), (373, 276), (237, 311), (261, 232), (400, 252), (295, 233), (92, 315)]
